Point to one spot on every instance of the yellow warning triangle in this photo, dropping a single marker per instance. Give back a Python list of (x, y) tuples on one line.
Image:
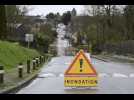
[(81, 66)]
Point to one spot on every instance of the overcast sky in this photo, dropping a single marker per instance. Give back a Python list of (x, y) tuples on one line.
[(45, 9)]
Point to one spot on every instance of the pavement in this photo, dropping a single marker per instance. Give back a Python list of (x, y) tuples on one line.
[(114, 78)]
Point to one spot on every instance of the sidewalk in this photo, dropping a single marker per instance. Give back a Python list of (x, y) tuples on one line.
[(115, 58), (13, 82)]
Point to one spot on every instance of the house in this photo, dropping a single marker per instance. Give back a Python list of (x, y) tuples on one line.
[(34, 22), (30, 24)]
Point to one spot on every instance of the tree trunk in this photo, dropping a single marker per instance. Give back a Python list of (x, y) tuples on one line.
[(3, 26)]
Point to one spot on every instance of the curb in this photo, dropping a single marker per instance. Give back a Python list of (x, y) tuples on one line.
[(15, 89), (99, 58), (114, 59)]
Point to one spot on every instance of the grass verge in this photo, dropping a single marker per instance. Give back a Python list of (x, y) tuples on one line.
[(10, 55)]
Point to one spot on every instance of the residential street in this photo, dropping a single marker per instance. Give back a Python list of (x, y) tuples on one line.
[(114, 77)]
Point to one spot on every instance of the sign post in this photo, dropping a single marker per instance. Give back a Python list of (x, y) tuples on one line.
[(29, 38), (81, 72)]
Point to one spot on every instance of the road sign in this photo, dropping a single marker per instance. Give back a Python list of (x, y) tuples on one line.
[(29, 37), (80, 81), (81, 66), (80, 72)]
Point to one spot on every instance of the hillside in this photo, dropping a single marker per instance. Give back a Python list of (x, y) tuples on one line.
[(12, 53)]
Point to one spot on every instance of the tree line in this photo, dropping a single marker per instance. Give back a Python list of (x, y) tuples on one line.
[(14, 16), (104, 24)]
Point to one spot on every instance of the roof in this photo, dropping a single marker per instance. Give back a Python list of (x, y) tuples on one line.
[(35, 18)]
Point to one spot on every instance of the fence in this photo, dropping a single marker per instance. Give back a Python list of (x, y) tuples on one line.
[(21, 71)]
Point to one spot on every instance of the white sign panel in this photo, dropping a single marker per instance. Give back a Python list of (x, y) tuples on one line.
[(28, 37)]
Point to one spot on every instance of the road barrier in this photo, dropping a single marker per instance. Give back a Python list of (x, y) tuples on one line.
[(20, 70), (34, 64), (44, 58), (1, 74), (40, 60), (28, 66), (24, 69), (37, 61)]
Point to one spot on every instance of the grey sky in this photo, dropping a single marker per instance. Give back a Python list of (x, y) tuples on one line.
[(45, 9)]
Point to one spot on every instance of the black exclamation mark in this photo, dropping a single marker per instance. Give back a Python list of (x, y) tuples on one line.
[(81, 63)]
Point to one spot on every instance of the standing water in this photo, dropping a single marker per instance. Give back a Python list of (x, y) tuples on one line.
[(62, 43)]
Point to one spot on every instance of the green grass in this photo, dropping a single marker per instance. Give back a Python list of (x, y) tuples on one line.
[(11, 54)]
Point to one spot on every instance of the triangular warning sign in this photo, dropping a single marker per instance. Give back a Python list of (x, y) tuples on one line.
[(81, 66)]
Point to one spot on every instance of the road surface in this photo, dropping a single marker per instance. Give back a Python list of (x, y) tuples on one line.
[(113, 78)]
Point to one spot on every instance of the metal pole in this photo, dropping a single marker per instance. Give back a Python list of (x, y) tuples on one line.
[(28, 44), (20, 70), (28, 66), (1, 74), (37, 62), (34, 64), (40, 60)]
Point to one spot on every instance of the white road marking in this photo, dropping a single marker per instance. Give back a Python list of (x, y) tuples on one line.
[(67, 63), (119, 75), (61, 75), (103, 75), (131, 75), (46, 75), (115, 75)]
